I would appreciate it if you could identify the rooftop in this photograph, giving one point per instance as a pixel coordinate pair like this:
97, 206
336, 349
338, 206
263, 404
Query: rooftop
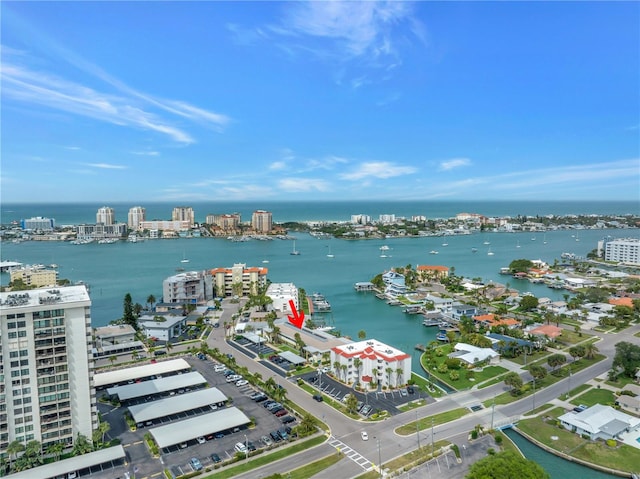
370, 349
36, 297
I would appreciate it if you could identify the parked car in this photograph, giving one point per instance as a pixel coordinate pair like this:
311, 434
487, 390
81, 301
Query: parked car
281, 412
251, 446
288, 419
317, 397
242, 382
275, 436
240, 447
403, 392
215, 458
366, 410
219, 368
266, 440
195, 463
201, 440
282, 432
411, 390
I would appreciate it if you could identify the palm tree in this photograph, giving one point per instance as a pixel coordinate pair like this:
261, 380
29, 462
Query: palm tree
81, 445
151, 299
389, 370
169, 346
399, 376
270, 385
336, 365
590, 351
307, 423
104, 427
275, 335
362, 334
344, 372
13, 449
113, 359
55, 449
356, 364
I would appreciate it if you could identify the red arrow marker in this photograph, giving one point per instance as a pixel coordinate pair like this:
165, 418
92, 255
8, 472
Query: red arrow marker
298, 318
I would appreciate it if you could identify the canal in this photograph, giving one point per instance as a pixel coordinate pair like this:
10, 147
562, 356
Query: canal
557, 467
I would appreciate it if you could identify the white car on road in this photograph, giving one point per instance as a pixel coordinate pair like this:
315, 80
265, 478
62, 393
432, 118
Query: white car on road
364, 436
242, 382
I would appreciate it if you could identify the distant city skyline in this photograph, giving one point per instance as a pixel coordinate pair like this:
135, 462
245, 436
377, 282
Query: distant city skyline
284, 101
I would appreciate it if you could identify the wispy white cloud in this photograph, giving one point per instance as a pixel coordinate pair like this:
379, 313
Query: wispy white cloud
72, 148
454, 163
378, 169
146, 153
326, 163
106, 166
278, 165
125, 106
303, 184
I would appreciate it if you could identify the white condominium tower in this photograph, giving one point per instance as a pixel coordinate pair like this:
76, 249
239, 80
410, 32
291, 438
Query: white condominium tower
46, 367
184, 213
137, 214
261, 221
106, 215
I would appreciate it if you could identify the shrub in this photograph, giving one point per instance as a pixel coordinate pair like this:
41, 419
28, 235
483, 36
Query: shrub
456, 450
454, 375
443, 368
498, 438
491, 451
611, 443
452, 363
474, 434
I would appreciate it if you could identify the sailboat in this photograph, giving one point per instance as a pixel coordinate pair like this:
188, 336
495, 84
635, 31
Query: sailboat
294, 252
577, 239
329, 254
490, 253
518, 244
486, 242
184, 258
544, 238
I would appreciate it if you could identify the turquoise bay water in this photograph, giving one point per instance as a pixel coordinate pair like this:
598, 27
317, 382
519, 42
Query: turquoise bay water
557, 467
112, 270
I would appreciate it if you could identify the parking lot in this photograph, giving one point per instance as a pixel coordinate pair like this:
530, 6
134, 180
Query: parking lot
211, 448
376, 400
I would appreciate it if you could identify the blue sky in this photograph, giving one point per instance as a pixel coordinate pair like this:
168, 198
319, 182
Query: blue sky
143, 101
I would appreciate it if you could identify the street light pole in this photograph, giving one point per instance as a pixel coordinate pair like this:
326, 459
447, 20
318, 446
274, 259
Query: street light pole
433, 443
379, 457
417, 430
493, 410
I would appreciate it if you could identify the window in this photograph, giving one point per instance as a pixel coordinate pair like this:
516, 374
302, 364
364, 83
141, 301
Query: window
22, 324
24, 352
11, 325
13, 335
13, 354
22, 334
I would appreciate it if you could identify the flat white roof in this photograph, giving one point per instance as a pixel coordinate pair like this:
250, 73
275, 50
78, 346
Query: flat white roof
63, 467
292, 357
121, 375
58, 295
183, 431
155, 386
175, 404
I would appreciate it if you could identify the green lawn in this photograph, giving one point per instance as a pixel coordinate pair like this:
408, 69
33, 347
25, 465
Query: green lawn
595, 396
261, 460
314, 468
436, 420
579, 389
423, 453
621, 457
570, 338
466, 378
423, 384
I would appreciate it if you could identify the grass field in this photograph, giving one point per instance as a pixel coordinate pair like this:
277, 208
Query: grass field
436, 420
595, 396
314, 468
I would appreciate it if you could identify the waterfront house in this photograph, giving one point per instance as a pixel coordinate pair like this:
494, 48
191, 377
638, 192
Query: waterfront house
428, 273
163, 327
459, 310
472, 355
599, 422
114, 334
630, 403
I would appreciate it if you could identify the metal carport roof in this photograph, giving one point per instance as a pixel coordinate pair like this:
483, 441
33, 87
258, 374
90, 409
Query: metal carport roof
155, 386
175, 404
121, 375
65, 466
292, 358
182, 431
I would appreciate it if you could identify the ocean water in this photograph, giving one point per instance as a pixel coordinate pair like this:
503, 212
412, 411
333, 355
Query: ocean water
65, 213
112, 270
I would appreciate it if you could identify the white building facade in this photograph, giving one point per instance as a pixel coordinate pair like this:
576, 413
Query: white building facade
47, 392
371, 361
136, 215
106, 215
281, 294
190, 287
625, 250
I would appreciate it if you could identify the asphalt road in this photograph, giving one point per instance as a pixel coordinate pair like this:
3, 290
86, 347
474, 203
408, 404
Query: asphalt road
347, 431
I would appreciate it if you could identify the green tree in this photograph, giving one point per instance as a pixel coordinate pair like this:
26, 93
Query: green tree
527, 303
357, 363
578, 351
13, 449
113, 359
506, 465
127, 316
362, 334
351, 403
537, 371
399, 376
590, 351
81, 445
55, 449
514, 381
627, 359
307, 423
151, 300
520, 265
104, 427
556, 360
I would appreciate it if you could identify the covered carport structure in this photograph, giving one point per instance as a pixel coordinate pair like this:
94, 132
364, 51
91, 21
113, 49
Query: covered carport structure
142, 413
292, 358
120, 376
157, 386
203, 425
83, 465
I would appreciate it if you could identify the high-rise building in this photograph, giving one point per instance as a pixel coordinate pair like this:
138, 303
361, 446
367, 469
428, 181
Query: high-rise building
38, 223
261, 221
238, 280
623, 250
183, 213
106, 215
225, 222
46, 385
137, 214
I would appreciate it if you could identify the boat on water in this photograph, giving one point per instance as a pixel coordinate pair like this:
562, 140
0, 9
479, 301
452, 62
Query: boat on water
329, 254
445, 244
265, 261
433, 252
320, 303
431, 322
490, 253
412, 309
487, 242
474, 250
294, 252
384, 247
184, 258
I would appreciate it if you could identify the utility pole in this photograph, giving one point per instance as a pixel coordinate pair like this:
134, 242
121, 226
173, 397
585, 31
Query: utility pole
433, 443
493, 410
534, 393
